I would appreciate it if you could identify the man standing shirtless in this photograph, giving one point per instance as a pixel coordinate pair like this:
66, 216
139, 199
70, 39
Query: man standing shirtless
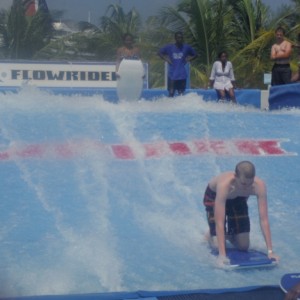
225, 200
280, 54
128, 50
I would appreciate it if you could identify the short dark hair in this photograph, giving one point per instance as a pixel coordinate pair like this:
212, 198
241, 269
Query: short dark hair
245, 168
177, 33
280, 28
221, 53
127, 34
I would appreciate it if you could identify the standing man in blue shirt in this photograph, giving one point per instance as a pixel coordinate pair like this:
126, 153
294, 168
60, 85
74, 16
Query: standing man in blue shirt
177, 56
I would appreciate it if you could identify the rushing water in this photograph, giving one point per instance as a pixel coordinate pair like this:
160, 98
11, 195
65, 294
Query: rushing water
94, 198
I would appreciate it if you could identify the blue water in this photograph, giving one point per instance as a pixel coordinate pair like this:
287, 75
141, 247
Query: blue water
90, 221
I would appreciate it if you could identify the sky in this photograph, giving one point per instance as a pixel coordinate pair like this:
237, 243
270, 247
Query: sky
92, 10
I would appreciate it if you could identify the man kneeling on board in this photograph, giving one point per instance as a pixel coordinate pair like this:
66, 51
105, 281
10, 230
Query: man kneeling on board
225, 199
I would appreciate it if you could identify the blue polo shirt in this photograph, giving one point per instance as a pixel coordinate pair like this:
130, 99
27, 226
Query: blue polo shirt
178, 57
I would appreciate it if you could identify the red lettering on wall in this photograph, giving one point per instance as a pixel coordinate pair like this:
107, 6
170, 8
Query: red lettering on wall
145, 151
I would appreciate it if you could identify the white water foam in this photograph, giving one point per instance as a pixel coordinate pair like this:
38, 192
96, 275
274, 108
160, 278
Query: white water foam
93, 223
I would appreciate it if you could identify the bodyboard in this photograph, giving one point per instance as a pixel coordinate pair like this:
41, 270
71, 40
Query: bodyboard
287, 281
251, 259
130, 81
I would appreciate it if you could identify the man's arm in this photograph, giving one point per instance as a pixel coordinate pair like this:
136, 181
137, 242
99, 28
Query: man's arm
231, 75
220, 219
273, 52
263, 215
212, 75
286, 51
162, 53
191, 55
281, 52
220, 203
165, 58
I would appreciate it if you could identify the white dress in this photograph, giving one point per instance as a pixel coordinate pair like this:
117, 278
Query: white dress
222, 79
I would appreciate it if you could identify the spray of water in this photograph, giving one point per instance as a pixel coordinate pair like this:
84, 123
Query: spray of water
86, 209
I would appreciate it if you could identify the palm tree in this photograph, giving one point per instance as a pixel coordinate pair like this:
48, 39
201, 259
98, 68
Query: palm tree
205, 24
16, 29
116, 23
38, 32
254, 29
21, 36
243, 28
251, 42
4, 41
151, 39
95, 43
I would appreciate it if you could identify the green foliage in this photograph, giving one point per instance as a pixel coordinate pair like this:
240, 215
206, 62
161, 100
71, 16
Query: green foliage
4, 39
23, 36
16, 29
243, 28
38, 33
116, 23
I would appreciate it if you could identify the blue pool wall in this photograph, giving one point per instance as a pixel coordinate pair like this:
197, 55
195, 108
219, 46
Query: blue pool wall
282, 96
276, 97
250, 97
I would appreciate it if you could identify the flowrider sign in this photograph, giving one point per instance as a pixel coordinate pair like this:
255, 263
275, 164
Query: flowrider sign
45, 74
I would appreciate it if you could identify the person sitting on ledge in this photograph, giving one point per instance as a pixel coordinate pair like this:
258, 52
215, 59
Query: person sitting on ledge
222, 78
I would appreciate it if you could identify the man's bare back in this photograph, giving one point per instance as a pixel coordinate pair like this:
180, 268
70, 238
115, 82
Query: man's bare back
227, 181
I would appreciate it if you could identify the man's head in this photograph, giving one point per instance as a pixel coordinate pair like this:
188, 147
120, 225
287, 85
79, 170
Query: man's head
245, 173
246, 169
128, 40
178, 37
279, 33
222, 56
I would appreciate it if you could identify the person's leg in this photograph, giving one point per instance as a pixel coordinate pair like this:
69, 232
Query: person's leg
241, 241
232, 95
286, 75
211, 234
238, 222
181, 86
221, 95
171, 87
209, 203
275, 79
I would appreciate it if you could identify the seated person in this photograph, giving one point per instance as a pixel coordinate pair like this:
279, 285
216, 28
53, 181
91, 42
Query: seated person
222, 78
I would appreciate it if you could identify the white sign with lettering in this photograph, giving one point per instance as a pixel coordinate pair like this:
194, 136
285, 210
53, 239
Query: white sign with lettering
57, 74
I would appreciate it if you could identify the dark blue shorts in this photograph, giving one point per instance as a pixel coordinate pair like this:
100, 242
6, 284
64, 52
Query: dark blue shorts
236, 215
281, 74
177, 85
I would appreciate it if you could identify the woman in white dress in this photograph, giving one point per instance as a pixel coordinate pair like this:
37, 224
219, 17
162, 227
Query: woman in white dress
222, 78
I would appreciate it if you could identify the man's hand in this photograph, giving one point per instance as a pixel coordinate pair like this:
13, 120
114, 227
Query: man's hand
272, 255
222, 261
